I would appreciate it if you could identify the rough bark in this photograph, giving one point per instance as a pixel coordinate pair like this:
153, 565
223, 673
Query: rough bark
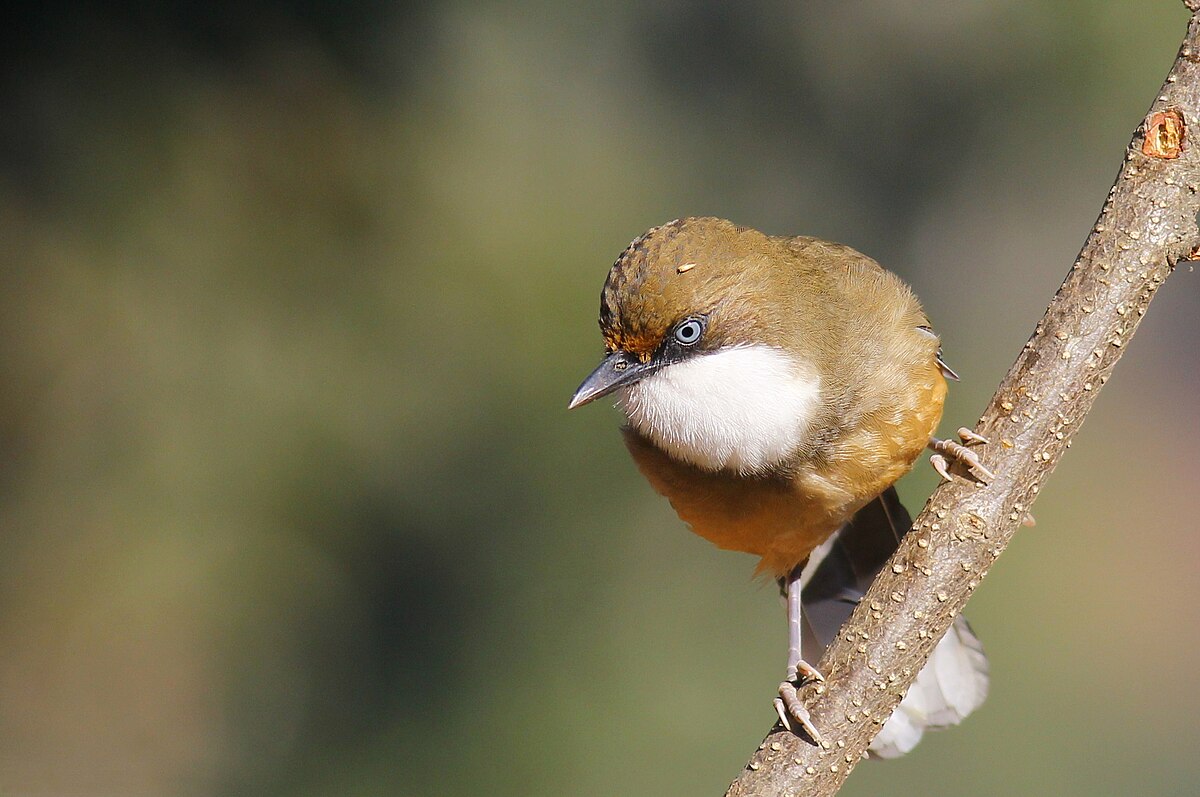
1148, 223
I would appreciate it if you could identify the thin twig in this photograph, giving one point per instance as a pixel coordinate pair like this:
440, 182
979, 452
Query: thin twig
1148, 224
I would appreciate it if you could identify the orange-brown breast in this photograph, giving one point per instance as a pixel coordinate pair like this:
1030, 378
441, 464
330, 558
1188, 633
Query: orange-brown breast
783, 517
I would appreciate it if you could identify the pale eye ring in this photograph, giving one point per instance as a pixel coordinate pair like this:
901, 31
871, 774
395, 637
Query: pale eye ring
689, 331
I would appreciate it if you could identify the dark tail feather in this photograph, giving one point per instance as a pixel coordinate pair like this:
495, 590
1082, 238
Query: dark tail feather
953, 683
841, 570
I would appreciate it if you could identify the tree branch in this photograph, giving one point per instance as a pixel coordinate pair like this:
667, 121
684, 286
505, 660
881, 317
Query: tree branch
1148, 223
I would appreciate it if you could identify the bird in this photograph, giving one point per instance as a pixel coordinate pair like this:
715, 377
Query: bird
774, 389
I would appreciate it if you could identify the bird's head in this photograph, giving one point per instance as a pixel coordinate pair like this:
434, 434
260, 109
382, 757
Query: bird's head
682, 290
700, 319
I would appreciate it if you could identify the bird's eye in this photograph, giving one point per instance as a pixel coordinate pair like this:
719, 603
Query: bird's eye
689, 331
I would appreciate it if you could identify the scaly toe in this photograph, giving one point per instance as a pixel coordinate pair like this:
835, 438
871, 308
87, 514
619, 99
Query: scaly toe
973, 463
792, 712
970, 438
957, 458
784, 720
939, 464
805, 672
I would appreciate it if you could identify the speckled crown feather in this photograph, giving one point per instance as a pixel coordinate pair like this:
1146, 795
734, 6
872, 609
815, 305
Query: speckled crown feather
647, 290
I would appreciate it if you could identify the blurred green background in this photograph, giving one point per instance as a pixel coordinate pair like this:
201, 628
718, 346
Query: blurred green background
292, 299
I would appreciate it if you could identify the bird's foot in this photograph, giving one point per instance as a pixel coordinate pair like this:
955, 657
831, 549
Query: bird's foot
792, 713
956, 459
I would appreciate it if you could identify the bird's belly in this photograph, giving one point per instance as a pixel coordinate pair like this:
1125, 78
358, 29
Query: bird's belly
778, 519
781, 524
782, 518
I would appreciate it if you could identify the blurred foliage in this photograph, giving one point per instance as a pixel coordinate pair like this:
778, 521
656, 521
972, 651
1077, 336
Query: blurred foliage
292, 298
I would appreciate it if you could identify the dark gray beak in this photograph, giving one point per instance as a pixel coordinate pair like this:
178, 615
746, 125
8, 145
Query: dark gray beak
617, 370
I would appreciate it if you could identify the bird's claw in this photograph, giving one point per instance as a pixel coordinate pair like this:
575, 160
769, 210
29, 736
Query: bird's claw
805, 672
951, 458
970, 437
792, 713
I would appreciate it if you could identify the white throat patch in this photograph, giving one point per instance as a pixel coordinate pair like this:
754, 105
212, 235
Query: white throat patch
744, 408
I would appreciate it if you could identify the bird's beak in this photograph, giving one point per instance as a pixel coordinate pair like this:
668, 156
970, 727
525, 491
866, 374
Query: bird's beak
617, 370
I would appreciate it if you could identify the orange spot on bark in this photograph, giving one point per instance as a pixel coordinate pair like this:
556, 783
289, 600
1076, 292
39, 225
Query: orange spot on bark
1165, 133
